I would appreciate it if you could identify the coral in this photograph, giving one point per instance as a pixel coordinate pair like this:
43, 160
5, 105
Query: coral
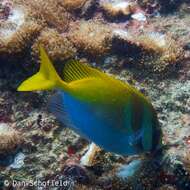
10, 139
11, 21
73, 5
153, 41
23, 22
150, 47
81, 7
16, 31
167, 51
91, 37
153, 50
21, 39
138, 174
50, 12
117, 8
57, 46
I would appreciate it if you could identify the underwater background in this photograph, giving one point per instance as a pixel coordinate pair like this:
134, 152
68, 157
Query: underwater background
145, 43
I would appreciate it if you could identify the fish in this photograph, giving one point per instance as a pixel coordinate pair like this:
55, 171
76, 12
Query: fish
111, 113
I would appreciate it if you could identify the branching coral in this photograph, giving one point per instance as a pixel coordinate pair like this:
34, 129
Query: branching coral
57, 46
91, 37
10, 139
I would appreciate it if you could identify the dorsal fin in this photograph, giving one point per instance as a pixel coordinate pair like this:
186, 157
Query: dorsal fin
74, 70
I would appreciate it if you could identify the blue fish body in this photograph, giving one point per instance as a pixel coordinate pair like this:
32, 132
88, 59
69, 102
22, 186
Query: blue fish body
98, 124
112, 114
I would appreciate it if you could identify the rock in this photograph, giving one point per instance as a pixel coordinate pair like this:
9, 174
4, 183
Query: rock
75, 171
167, 187
88, 158
18, 161
187, 46
127, 171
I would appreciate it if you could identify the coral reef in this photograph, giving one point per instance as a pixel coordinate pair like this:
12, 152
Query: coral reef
90, 37
153, 50
118, 8
58, 47
49, 12
47, 144
169, 53
138, 48
73, 5
23, 22
11, 19
16, 31
10, 139
21, 39
80, 7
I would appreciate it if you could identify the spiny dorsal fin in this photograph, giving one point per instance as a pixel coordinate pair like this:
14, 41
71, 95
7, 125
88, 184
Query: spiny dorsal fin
74, 70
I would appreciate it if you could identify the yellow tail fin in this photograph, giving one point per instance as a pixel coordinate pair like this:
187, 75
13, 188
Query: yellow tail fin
46, 79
